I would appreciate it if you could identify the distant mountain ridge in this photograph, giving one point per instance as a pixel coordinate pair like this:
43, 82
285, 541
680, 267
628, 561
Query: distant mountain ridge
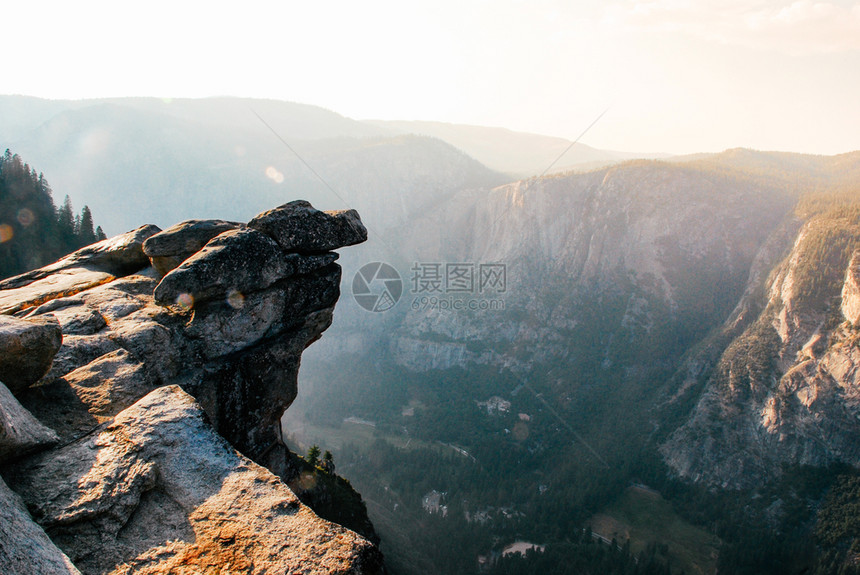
160, 161
300, 121
520, 154
182, 158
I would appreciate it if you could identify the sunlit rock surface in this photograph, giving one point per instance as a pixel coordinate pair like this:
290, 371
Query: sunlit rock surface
143, 480
851, 291
167, 493
86, 268
786, 391
297, 226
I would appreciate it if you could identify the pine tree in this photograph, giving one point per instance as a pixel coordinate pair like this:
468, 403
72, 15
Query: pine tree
328, 461
66, 224
86, 235
33, 232
314, 455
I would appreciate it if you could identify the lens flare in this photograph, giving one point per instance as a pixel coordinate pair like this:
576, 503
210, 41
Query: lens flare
185, 301
308, 481
6, 233
273, 174
94, 142
25, 217
521, 431
236, 299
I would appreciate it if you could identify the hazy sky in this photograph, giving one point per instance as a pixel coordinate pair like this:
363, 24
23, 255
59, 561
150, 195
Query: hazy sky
677, 76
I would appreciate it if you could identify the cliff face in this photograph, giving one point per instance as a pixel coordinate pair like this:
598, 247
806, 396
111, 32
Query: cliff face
179, 355
625, 250
715, 304
787, 389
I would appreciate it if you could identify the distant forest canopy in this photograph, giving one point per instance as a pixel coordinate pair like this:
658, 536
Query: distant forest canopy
33, 231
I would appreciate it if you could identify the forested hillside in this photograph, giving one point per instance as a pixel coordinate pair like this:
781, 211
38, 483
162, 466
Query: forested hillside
33, 231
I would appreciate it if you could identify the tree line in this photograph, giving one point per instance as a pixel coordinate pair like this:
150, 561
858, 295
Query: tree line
33, 230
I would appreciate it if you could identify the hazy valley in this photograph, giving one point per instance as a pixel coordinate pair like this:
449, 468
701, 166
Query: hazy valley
655, 350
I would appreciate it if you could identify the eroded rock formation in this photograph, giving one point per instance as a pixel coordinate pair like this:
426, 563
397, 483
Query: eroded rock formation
180, 350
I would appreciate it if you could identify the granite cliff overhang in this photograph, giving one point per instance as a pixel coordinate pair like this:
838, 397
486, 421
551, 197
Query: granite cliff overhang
158, 420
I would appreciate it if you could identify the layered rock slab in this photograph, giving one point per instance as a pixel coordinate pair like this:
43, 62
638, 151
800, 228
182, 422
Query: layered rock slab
118, 255
86, 268
156, 490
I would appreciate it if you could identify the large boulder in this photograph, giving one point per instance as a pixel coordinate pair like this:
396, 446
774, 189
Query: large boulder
169, 248
27, 348
232, 323
236, 261
299, 227
233, 264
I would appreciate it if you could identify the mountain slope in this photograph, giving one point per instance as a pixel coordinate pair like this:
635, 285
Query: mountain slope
673, 244
785, 392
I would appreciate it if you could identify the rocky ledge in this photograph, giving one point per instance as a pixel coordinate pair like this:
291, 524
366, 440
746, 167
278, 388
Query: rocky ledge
145, 378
